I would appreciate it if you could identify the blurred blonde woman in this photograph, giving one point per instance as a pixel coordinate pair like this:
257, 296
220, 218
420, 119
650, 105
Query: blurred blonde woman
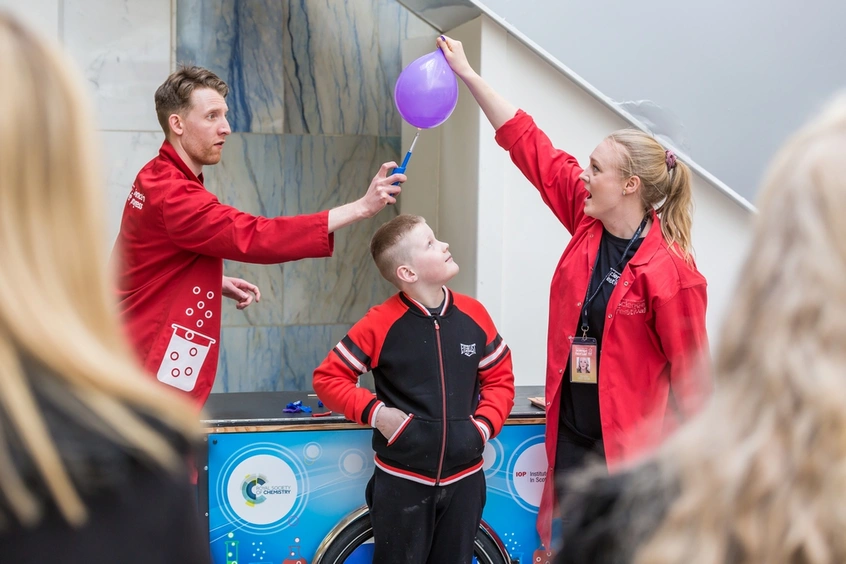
760, 475
91, 451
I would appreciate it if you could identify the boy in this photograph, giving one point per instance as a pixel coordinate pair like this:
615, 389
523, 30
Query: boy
444, 386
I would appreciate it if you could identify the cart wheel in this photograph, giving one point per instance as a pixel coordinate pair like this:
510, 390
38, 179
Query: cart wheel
350, 542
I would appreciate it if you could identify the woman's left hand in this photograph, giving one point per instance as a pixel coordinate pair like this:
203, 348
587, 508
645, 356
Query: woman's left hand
454, 54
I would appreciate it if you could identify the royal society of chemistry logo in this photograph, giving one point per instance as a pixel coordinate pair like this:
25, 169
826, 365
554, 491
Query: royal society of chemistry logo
263, 490
255, 489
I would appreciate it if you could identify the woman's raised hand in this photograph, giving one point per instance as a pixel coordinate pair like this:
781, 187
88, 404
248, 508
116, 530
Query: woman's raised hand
454, 54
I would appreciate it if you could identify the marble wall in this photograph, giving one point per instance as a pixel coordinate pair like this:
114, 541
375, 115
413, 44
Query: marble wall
312, 115
124, 49
313, 118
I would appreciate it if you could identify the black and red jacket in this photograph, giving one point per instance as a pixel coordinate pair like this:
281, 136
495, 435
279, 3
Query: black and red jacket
450, 372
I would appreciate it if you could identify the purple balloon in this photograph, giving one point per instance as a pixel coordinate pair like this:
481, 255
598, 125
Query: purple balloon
426, 91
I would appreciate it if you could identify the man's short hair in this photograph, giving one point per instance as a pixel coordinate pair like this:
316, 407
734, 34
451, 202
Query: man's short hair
385, 246
174, 95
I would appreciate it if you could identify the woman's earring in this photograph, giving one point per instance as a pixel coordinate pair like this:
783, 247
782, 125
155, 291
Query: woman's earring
624, 192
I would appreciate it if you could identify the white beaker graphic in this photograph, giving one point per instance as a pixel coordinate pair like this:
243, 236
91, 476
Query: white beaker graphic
184, 358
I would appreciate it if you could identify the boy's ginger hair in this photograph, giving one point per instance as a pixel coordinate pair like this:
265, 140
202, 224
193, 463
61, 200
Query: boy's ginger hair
385, 247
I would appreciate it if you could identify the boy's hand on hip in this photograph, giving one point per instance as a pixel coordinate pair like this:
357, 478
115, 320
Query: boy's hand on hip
388, 420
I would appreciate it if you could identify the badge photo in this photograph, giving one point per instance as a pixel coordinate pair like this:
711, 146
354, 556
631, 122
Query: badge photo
583, 368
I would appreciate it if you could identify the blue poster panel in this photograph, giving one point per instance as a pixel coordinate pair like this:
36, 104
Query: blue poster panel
273, 497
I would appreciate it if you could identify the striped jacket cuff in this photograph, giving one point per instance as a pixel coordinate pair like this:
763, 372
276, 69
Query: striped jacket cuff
484, 428
368, 415
375, 413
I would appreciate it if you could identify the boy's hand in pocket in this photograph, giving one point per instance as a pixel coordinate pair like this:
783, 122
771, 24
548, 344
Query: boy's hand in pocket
388, 420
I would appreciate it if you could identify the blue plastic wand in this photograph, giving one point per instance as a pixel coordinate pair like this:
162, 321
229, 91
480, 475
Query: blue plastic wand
401, 168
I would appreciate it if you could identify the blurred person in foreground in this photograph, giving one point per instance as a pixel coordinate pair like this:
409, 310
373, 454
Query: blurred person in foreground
92, 452
760, 475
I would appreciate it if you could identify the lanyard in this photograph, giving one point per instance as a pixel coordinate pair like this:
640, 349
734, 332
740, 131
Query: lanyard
589, 300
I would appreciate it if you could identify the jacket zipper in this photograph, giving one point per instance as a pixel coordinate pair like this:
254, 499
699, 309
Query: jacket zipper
443, 402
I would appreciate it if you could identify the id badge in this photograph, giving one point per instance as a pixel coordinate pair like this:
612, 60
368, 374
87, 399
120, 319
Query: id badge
583, 369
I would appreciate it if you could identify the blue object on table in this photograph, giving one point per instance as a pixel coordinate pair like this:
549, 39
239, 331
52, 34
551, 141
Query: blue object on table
297, 407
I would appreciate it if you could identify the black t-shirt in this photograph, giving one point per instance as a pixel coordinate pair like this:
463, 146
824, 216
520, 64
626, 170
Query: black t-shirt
437, 310
580, 402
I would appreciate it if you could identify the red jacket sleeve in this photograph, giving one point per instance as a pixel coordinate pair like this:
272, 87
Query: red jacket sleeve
496, 374
335, 379
496, 378
680, 325
196, 221
553, 172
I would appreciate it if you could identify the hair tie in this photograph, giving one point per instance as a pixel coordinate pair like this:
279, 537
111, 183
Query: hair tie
670, 159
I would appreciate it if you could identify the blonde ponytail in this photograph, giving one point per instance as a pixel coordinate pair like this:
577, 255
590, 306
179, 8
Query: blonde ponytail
665, 186
676, 212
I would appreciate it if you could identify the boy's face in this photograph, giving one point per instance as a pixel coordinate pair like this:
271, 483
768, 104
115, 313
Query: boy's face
429, 258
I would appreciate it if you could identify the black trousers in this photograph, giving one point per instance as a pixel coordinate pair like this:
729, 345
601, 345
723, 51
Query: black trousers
418, 524
572, 453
